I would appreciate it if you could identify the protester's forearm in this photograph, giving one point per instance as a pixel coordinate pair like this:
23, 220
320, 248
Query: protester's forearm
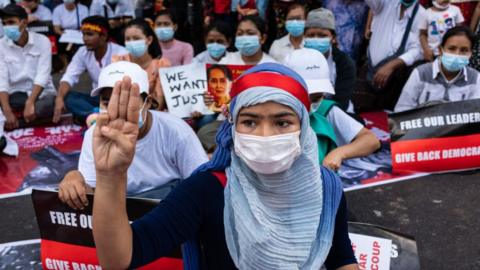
424, 40
363, 144
111, 228
36, 91
349, 267
4, 102
63, 89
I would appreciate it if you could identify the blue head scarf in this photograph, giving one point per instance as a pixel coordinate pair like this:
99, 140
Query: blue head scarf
273, 221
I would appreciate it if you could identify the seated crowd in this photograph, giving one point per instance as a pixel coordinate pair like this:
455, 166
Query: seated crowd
291, 128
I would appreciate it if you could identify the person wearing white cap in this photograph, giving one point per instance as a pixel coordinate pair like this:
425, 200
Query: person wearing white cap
339, 136
320, 35
167, 148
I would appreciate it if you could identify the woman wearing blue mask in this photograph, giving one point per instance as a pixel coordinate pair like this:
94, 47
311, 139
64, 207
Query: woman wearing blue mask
249, 39
448, 78
218, 36
295, 26
261, 202
144, 50
176, 51
320, 35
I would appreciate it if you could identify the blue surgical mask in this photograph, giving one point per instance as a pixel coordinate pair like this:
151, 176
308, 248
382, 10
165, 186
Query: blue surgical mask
164, 33
113, 2
12, 32
247, 45
320, 44
68, 1
407, 3
454, 62
295, 27
136, 48
216, 50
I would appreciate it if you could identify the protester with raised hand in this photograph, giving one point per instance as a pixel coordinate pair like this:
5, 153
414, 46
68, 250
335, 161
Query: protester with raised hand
249, 39
166, 148
218, 37
144, 50
295, 26
448, 78
267, 158
96, 54
178, 52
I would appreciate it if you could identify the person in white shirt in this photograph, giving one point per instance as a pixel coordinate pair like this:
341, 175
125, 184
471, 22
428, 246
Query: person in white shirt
26, 85
448, 78
249, 39
112, 8
438, 19
68, 15
117, 12
389, 63
36, 11
295, 26
7, 145
339, 136
218, 37
167, 148
96, 54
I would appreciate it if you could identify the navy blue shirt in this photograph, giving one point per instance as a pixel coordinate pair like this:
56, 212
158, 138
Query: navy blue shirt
194, 209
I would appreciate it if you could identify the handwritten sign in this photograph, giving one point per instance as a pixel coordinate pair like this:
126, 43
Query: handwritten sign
183, 87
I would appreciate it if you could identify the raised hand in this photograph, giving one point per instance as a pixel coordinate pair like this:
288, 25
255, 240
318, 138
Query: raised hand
116, 132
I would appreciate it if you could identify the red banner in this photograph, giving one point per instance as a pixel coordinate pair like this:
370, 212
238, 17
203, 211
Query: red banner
57, 255
436, 154
45, 155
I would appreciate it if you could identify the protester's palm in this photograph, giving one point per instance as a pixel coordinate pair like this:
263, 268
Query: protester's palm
111, 155
116, 132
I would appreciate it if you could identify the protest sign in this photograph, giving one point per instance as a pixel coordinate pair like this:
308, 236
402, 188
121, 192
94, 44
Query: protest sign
220, 78
45, 155
66, 234
382, 249
183, 88
437, 138
71, 36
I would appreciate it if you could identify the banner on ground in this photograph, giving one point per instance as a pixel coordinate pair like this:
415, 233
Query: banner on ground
437, 138
183, 88
220, 78
382, 249
66, 234
46, 154
376, 168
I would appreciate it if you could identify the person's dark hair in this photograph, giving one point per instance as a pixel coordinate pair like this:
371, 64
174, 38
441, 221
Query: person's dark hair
98, 20
257, 21
154, 48
221, 27
295, 6
168, 13
224, 69
459, 31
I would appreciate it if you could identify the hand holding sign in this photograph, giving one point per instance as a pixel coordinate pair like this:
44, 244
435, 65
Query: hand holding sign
116, 132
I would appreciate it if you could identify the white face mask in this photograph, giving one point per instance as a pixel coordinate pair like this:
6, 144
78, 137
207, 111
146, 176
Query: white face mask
268, 155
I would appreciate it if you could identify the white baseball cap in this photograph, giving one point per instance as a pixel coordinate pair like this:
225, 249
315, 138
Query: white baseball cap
116, 71
313, 67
